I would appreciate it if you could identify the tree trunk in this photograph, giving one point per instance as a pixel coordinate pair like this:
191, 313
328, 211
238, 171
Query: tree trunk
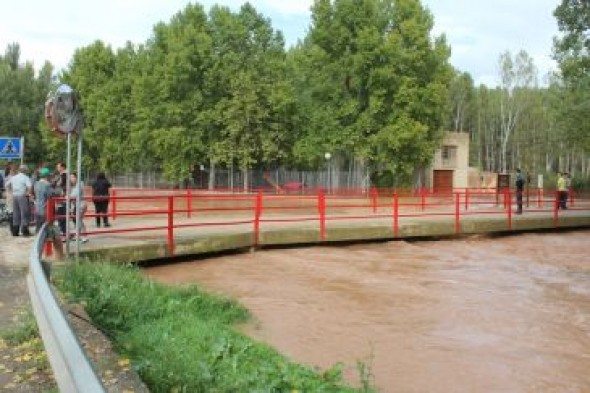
246, 176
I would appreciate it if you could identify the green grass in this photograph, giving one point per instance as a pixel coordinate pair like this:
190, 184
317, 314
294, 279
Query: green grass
180, 339
25, 330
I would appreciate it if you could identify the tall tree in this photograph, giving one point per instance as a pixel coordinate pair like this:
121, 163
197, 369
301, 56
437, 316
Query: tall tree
22, 93
517, 77
460, 100
572, 52
377, 82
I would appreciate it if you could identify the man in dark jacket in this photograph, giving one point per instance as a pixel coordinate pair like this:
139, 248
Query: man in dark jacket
519, 191
100, 194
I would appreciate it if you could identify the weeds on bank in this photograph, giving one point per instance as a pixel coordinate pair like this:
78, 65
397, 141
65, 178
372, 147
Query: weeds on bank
25, 330
181, 339
23, 355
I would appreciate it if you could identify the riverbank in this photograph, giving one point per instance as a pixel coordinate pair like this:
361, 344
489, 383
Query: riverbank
184, 339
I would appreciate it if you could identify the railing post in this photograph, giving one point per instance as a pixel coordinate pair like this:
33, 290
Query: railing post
374, 199
322, 211
257, 214
114, 199
171, 225
467, 199
395, 214
457, 213
423, 198
571, 195
49, 214
189, 202
556, 210
508, 203
539, 197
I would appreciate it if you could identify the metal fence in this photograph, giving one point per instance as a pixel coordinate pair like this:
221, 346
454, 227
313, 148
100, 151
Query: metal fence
252, 179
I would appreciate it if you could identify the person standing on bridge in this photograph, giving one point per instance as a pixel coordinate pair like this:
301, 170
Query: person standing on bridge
100, 198
61, 186
561, 191
43, 191
519, 190
568, 186
77, 188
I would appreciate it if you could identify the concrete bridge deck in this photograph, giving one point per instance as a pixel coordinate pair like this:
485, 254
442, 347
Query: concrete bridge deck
237, 232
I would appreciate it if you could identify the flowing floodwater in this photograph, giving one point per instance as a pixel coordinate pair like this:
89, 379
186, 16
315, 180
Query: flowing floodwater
503, 314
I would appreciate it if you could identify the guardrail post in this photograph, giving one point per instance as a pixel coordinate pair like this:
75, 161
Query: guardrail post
171, 225
508, 203
571, 195
322, 211
539, 197
556, 210
395, 214
457, 213
114, 198
467, 199
189, 203
257, 214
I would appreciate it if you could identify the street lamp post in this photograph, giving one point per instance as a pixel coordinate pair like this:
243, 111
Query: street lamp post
327, 156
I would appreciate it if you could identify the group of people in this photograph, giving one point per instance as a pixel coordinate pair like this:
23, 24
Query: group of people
563, 189
27, 198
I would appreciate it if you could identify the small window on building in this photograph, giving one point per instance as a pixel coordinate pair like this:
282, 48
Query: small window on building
449, 156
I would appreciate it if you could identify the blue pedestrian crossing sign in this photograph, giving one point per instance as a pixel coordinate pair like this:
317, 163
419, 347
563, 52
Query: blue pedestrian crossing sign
10, 148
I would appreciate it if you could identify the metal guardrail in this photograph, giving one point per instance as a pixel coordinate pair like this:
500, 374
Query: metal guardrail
71, 368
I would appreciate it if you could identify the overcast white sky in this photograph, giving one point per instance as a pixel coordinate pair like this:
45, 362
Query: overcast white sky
478, 30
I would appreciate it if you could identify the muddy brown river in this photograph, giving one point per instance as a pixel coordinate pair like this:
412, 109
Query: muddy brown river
482, 314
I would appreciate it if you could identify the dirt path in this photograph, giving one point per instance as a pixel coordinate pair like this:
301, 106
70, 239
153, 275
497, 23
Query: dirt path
24, 367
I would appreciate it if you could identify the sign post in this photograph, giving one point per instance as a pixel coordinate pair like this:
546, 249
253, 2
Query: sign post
12, 148
64, 118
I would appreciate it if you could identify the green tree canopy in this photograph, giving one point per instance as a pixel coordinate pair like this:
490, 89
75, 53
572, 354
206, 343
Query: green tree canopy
376, 82
572, 52
22, 94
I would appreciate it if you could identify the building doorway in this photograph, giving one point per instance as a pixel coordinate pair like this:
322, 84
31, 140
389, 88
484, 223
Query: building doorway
443, 181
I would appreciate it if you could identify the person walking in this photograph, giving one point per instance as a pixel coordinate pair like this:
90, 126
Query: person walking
43, 191
519, 190
21, 188
100, 198
77, 188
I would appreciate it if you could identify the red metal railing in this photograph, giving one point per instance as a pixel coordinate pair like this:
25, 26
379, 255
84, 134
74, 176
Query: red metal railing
174, 210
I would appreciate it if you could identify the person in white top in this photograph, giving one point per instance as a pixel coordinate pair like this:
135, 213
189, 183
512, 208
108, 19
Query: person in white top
75, 188
21, 187
10, 172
